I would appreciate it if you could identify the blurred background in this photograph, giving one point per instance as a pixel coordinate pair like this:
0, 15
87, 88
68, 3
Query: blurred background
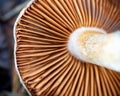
9, 81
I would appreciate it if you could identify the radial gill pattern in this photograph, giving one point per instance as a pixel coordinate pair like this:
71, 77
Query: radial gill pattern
44, 63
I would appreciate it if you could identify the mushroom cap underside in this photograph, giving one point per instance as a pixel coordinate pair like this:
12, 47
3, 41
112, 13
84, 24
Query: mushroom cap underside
43, 61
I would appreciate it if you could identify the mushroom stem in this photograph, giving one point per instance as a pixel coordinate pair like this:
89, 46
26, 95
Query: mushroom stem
95, 46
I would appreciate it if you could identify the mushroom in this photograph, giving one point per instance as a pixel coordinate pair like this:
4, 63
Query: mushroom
69, 47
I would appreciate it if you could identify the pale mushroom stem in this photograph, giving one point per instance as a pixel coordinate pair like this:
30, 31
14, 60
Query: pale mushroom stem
95, 46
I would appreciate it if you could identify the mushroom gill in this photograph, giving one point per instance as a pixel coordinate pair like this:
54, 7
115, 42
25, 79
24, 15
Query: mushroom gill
46, 63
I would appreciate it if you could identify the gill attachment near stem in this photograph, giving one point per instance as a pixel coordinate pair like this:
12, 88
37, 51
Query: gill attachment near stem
95, 46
